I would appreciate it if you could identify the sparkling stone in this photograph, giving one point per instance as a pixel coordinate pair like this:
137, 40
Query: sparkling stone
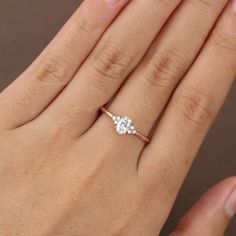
124, 125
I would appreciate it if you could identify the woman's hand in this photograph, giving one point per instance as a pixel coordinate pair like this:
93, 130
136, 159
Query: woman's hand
63, 168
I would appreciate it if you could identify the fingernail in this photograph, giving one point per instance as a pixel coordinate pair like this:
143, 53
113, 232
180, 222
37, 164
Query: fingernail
112, 1
234, 5
230, 206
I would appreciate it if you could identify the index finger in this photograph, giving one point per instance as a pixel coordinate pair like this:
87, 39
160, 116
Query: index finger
54, 68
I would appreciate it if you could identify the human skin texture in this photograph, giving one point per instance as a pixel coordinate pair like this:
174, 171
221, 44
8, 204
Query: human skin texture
168, 64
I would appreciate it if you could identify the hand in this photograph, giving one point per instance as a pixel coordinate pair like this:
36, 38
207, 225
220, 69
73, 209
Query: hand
63, 168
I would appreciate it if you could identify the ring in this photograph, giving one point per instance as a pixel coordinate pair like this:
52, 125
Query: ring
124, 125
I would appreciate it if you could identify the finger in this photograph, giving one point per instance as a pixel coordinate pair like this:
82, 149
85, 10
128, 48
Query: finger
55, 67
115, 56
211, 215
149, 88
192, 110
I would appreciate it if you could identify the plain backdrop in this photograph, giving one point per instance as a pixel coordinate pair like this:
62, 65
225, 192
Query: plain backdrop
26, 27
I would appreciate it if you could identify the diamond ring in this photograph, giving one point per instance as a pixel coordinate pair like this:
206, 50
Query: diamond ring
124, 125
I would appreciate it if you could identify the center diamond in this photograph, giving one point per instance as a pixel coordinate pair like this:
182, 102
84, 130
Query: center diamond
124, 125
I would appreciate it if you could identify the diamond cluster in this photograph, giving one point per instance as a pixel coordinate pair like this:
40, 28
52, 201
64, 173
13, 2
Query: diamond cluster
124, 125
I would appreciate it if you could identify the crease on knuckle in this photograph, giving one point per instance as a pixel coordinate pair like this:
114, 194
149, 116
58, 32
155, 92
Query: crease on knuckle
50, 71
113, 62
196, 106
164, 69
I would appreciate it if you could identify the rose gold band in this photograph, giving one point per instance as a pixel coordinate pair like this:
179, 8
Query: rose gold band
144, 138
104, 110
139, 135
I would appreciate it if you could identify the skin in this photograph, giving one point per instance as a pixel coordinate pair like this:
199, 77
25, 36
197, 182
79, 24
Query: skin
65, 171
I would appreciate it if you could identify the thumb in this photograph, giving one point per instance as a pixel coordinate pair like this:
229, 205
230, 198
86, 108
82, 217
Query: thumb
211, 215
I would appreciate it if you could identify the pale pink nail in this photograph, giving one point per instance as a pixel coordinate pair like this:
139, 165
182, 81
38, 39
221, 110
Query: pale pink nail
234, 5
230, 206
112, 1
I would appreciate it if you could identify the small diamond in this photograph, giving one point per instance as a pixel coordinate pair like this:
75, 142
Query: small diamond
124, 125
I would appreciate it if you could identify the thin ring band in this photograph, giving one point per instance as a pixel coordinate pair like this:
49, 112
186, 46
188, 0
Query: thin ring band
124, 125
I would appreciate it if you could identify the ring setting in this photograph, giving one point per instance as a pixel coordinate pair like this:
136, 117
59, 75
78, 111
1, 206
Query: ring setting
124, 125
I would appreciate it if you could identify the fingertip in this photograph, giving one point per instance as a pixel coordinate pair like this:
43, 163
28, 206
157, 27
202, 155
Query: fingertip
212, 213
230, 206
115, 2
221, 197
234, 5
104, 11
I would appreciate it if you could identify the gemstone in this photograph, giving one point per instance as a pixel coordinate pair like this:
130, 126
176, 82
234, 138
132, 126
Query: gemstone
124, 125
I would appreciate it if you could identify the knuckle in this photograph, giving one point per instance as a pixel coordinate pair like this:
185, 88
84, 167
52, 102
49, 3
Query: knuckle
196, 106
164, 69
56, 134
113, 62
50, 70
